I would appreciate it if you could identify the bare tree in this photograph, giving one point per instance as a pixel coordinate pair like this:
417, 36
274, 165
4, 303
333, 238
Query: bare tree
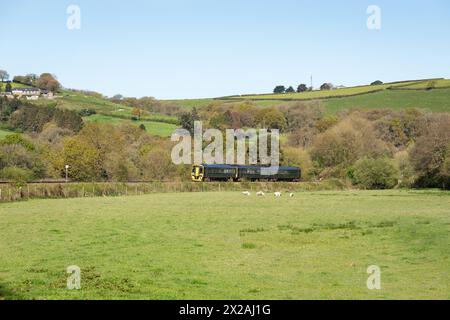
4, 75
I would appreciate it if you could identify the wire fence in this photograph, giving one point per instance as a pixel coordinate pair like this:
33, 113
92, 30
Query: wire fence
10, 192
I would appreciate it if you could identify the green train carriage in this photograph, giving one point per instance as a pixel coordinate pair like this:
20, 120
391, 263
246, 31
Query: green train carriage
223, 172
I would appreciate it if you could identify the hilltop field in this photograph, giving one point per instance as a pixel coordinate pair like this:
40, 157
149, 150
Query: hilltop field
317, 245
433, 95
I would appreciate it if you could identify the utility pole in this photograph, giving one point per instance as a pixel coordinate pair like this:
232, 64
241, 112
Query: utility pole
312, 83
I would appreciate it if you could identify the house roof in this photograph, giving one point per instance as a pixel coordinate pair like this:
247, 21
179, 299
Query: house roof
25, 89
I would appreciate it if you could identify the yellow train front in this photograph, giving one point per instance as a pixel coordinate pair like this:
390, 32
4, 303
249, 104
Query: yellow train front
225, 172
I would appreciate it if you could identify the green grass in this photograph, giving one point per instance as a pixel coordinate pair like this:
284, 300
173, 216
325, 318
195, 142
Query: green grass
189, 103
4, 133
227, 246
325, 94
437, 100
413, 94
155, 128
441, 83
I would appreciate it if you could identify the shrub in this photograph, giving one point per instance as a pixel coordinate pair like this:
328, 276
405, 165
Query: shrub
87, 112
407, 175
376, 83
16, 175
430, 154
298, 157
379, 173
346, 142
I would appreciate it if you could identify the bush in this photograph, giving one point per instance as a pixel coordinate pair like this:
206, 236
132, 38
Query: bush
430, 153
16, 175
343, 144
87, 112
378, 173
298, 157
407, 175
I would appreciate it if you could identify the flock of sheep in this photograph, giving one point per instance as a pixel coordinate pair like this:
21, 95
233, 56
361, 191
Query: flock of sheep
262, 194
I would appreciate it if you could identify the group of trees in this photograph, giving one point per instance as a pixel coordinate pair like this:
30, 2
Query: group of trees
282, 89
52, 138
45, 81
98, 152
27, 117
377, 148
148, 104
301, 88
4, 76
380, 148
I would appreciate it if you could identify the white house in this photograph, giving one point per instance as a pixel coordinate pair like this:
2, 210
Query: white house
29, 93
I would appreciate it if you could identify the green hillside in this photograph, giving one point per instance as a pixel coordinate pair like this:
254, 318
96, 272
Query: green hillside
108, 111
434, 100
430, 94
79, 101
153, 127
4, 133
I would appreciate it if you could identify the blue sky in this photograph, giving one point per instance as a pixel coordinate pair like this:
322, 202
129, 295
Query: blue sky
210, 48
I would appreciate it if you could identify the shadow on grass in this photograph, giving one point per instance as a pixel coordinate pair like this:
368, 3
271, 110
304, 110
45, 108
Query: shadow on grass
8, 294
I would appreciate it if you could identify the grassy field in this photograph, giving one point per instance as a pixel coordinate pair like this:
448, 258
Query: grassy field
325, 94
190, 103
227, 246
407, 94
441, 83
4, 133
434, 100
155, 128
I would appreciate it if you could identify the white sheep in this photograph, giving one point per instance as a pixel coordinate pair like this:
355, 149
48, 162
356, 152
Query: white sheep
277, 194
291, 195
246, 193
260, 194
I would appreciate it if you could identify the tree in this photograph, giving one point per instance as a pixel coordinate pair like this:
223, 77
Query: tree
430, 154
302, 88
271, 118
302, 115
84, 160
187, 120
279, 89
380, 173
326, 86
48, 81
290, 90
298, 157
343, 144
117, 98
137, 113
376, 83
4, 75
